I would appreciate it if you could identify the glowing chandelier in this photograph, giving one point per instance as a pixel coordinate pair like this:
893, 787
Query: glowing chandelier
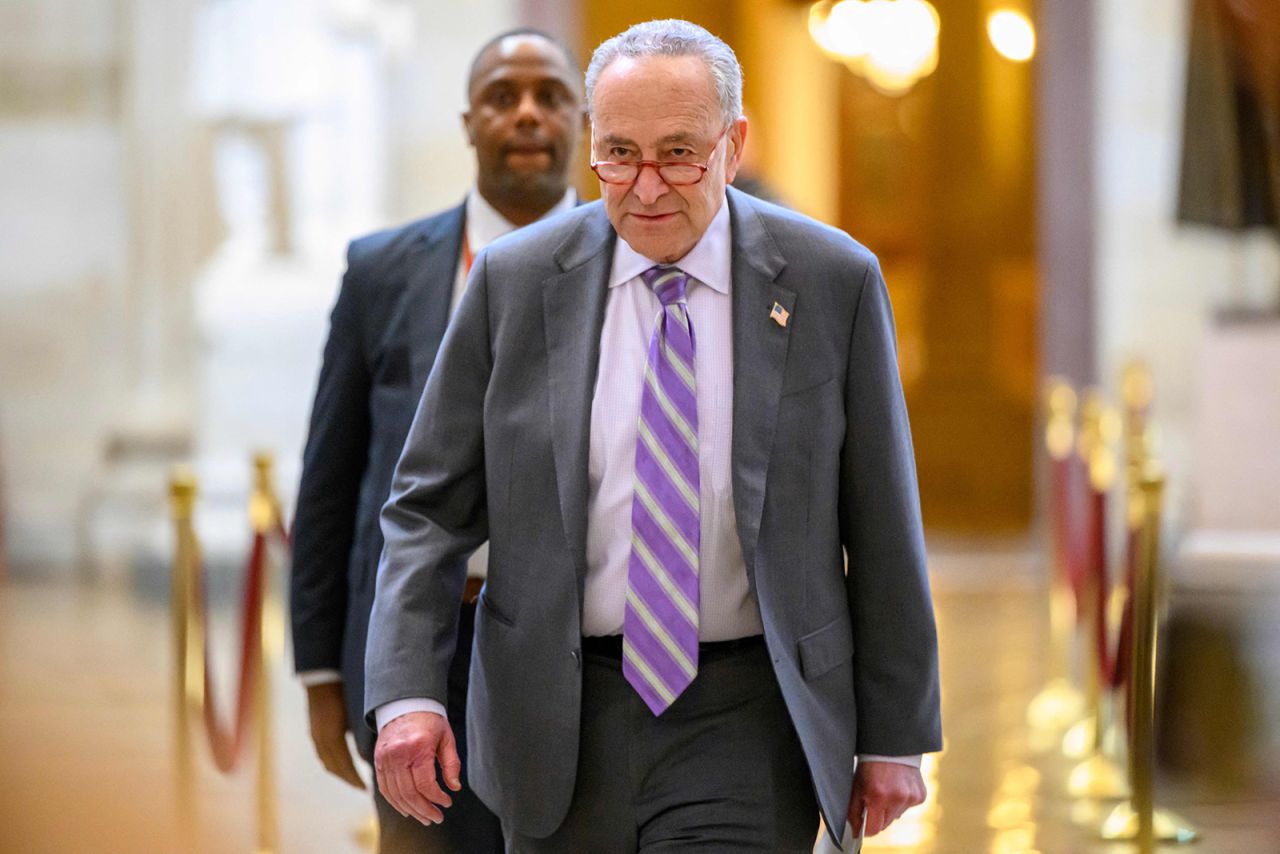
892, 44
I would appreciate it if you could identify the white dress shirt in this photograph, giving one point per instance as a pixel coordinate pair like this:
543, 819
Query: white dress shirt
727, 608
484, 224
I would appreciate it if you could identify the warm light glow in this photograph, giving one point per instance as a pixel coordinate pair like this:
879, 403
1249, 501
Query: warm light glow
890, 81
1012, 34
1009, 814
905, 47
1012, 813
1021, 840
840, 28
891, 43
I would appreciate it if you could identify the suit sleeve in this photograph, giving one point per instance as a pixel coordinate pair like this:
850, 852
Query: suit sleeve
437, 515
895, 642
333, 466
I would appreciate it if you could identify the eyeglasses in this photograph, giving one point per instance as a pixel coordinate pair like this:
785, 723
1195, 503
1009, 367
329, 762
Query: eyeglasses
677, 173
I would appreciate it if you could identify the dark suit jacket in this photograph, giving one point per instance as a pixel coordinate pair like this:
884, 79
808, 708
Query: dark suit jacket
385, 329
822, 467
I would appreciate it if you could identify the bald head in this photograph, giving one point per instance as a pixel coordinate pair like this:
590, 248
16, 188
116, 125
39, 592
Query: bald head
492, 51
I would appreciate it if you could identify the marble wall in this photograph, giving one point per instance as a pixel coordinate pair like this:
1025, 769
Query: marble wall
64, 237
1159, 284
147, 314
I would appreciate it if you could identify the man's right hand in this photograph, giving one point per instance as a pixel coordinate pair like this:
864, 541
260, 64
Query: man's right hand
329, 731
405, 760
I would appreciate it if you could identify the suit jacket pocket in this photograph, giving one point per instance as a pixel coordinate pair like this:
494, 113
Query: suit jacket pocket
807, 384
487, 607
824, 649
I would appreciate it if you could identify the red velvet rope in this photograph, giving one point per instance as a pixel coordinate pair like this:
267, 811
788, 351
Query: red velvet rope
1124, 644
227, 742
1079, 541
1070, 548
1124, 651
1113, 662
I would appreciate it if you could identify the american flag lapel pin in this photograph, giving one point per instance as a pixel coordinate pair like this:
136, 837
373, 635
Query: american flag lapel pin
780, 315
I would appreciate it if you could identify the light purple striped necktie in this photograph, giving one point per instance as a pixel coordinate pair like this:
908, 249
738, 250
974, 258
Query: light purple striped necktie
660, 625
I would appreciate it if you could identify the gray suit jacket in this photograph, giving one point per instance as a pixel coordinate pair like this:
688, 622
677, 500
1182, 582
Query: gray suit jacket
385, 329
822, 466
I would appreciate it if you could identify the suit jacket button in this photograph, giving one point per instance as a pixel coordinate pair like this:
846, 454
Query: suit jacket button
576, 653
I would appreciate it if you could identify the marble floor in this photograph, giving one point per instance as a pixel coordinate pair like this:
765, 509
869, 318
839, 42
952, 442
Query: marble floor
86, 736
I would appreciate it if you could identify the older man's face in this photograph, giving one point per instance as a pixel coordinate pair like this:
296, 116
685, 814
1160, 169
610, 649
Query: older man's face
662, 109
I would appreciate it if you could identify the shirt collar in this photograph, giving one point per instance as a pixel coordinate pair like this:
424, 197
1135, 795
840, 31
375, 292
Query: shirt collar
485, 224
709, 261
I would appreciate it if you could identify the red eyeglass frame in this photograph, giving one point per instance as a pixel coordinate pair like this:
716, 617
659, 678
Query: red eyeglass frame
658, 166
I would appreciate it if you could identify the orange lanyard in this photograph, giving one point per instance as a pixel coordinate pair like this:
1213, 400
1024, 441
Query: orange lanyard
468, 257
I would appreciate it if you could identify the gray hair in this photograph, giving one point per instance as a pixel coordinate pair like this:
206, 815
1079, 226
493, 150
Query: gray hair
673, 37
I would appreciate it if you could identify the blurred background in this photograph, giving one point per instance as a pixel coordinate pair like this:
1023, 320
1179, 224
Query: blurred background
1053, 188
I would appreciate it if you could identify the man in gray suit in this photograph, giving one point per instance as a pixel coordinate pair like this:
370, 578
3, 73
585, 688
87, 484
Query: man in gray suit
674, 414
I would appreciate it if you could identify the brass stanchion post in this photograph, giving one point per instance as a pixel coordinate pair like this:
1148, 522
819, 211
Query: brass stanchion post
1059, 703
1078, 741
264, 515
188, 673
1097, 776
1138, 820
1143, 692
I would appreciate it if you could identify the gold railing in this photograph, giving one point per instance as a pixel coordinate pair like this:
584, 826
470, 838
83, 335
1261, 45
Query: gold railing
261, 629
1139, 819
1116, 614
1060, 703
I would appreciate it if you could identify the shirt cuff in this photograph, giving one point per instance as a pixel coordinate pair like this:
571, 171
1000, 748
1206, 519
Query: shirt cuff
388, 712
311, 678
913, 761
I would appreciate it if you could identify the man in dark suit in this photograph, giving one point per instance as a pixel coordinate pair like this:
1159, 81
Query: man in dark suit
673, 415
524, 121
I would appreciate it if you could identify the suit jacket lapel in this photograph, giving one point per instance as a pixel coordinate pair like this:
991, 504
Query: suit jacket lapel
430, 292
759, 363
573, 314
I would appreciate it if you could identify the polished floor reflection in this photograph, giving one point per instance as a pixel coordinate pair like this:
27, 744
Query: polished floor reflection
86, 739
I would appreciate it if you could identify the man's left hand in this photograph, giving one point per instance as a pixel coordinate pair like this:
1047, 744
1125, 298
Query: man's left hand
887, 790
329, 731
